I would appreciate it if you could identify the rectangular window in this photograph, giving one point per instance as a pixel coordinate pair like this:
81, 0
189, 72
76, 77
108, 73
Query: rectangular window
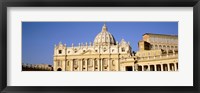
60, 51
123, 50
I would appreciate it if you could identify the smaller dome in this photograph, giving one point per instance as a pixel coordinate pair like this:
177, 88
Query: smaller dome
104, 37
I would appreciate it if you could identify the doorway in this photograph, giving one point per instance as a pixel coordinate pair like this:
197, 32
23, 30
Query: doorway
129, 68
59, 69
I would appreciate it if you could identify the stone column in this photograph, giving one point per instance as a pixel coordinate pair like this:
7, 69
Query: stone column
63, 66
168, 67
54, 66
101, 64
148, 68
118, 65
86, 65
161, 65
108, 64
142, 67
93, 65
72, 65
155, 69
80, 65
175, 66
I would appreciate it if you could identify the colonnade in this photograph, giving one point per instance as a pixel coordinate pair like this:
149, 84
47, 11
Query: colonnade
164, 47
158, 67
103, 64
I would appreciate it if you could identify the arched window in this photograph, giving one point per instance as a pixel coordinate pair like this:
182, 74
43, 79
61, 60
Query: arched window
113, 62
168, 47
156, 46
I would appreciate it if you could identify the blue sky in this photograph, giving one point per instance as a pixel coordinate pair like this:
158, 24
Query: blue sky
39, 38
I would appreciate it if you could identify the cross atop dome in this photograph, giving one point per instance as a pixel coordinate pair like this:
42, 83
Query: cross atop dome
104, 24
104, 28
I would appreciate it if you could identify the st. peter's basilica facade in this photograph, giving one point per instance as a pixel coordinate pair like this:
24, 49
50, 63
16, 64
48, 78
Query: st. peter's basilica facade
157, 52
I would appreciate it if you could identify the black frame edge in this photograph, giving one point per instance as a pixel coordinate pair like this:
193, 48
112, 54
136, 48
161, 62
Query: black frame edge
3, 48
196, 39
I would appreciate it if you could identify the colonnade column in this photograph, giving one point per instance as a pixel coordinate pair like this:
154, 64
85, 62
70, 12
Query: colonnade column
86, 65
72, 65
108, 64
142, 67
81, 66
54, 65
63, 66
175, 66
101, 64
168, 67
148, 68
161, 65
118, 65
155, 68
93, 65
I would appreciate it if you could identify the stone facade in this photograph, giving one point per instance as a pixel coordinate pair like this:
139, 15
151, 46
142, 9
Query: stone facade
105, 54
157, 52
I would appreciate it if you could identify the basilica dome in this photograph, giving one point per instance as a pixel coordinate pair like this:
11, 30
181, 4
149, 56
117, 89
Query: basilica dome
104, 37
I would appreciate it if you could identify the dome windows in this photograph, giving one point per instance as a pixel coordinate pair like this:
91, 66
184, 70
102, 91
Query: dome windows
104, 38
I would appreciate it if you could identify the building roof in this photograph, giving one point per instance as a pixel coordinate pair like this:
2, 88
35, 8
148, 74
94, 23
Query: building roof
159, 34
